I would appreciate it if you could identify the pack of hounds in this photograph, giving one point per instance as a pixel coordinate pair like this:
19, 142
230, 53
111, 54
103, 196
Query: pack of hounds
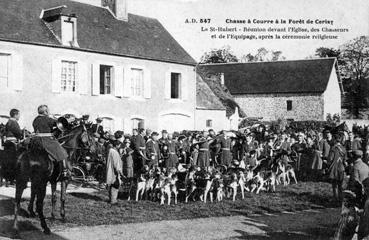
214, 183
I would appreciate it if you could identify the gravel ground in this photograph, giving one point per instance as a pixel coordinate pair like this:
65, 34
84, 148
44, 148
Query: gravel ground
311, 224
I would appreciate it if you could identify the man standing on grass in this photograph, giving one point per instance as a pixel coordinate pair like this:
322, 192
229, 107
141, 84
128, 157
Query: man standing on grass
360, 170
113, 172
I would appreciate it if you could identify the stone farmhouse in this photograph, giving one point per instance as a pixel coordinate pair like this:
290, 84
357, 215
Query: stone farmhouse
293, 90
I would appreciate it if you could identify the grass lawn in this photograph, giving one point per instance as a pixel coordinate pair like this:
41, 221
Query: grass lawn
89, 209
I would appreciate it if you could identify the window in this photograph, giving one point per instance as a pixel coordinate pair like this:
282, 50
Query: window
68, 76
289, 105
222, 78
105, 79
68, 36
4, 70
108, 124
137, 82
69, 31
209, 123
138, 123
175, 83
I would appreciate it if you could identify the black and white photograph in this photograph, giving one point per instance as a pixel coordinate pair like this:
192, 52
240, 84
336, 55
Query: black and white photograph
184, 119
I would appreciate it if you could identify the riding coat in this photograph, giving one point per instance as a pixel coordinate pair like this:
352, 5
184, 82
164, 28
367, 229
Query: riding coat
225, 156
203, 159
152, 151
12, 130
43, 126
337, 159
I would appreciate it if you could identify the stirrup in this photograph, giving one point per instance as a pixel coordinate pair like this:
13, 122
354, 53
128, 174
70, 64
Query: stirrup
66, 173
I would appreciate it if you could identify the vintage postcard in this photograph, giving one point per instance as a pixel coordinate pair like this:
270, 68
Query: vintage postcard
184, 119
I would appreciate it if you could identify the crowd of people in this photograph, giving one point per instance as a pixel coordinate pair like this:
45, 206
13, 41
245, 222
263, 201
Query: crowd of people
315, 154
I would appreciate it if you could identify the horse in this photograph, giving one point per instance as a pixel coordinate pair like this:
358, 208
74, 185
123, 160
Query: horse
34, 164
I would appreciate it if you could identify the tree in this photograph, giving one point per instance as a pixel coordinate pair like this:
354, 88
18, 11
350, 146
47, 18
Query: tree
354, 70
356, 55
263, 55
353, 65
327, 52
221, 55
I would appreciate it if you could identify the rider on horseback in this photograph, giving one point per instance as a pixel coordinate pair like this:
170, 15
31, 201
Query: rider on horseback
43, 126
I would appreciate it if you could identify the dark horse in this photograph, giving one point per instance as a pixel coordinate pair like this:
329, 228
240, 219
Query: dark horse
34, 164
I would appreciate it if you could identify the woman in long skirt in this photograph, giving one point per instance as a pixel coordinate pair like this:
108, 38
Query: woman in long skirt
336, 172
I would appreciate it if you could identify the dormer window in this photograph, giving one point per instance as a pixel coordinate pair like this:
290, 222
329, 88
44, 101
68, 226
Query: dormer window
69, 31
62, 24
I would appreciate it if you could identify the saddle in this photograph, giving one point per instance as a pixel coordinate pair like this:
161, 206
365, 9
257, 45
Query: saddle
35, 145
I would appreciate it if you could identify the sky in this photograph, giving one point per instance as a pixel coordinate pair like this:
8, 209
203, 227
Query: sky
351, 14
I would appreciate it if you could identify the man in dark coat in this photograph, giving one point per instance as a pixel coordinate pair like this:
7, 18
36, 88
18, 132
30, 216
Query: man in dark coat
139, 156
337, 160
13, 132
225, 148
153, 150
43, 126
248, 146
97, 128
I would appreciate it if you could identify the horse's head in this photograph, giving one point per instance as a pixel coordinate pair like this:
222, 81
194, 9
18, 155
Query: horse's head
87, 140
78, 138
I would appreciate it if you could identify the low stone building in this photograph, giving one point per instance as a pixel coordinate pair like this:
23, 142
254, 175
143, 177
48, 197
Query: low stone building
295, 90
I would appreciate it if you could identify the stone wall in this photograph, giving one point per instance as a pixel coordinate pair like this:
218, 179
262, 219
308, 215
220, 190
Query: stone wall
274, 106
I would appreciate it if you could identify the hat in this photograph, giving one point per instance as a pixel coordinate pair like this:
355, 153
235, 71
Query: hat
154, 134
357, 153
181, 137
164, 131
99, 119
118, 134
85, 117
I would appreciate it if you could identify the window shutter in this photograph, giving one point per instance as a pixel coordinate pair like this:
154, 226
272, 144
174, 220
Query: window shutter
167, 85
95, 75
147, 83
184, 83
82, 77
127, 82
118, 80
56, 76
17, 72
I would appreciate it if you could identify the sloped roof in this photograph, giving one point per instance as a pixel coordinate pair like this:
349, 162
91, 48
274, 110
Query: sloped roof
97, 29
205, 98
221, 92
299, 76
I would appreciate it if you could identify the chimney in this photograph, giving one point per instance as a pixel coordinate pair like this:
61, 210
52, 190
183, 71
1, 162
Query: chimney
118, 7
